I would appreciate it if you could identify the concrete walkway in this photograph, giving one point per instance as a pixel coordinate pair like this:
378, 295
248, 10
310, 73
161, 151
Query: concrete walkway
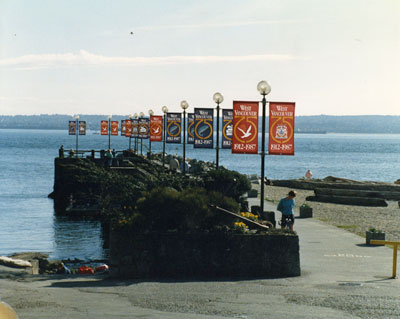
332, 254
341, 278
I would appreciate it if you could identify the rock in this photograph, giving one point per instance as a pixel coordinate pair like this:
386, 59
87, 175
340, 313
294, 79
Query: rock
344, 200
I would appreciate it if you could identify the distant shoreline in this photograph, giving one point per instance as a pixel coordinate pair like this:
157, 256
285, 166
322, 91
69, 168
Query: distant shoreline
310, 124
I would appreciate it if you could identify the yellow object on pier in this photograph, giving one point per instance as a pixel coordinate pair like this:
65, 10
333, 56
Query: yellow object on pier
6, 312
395, 245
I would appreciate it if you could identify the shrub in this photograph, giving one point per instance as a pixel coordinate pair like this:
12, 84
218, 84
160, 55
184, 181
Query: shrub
166, 209
229, 183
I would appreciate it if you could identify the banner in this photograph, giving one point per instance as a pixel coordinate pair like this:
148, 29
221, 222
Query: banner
72, 127
123, 127
82, 127
203, 128
245, 127
156, 124
281, 128
114, 127
144, 128
190, 129
227, 128
135, 128
128, 128
104, 128
174, 128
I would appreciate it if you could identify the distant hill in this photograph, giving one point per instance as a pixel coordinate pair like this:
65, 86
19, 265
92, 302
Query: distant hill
315, 123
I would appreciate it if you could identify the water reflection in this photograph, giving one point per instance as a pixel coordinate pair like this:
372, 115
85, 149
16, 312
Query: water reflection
80, 239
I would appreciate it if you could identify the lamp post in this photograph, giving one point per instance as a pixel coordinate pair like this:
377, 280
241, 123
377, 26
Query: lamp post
151, 114
165, 110
77, 133
130, 136
109, 131
218, 98
141, 139
136, 137
184, 106
264, 88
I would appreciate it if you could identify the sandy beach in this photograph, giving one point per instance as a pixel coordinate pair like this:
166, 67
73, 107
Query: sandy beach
355, 219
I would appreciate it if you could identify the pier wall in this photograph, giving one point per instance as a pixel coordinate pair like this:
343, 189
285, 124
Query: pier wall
203, 255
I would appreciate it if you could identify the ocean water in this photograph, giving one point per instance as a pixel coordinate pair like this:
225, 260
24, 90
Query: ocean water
28, 223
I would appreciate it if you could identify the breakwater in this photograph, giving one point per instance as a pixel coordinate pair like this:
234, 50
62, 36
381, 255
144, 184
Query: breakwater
161, 222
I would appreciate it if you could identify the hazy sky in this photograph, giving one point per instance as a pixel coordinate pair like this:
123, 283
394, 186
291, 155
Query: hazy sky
77, 56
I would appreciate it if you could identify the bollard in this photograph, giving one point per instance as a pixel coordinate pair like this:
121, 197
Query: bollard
395, 245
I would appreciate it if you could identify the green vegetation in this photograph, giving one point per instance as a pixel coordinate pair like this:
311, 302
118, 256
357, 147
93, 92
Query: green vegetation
145, 197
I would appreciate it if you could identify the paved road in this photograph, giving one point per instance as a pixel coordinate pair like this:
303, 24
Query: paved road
341, 278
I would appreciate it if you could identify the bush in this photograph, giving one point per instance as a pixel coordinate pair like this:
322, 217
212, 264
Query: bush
229, 183
165, 209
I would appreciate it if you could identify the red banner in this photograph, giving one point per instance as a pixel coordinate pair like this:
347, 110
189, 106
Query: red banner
281, 128
245, 127
104, 128
128, 128
156, 124
114, 127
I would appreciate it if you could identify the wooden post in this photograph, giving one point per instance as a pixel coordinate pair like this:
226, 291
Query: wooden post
395, 245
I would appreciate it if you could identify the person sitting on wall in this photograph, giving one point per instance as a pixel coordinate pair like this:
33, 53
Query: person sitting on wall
174, 164
71, 153
61, 152
62, 269
308, 174
187, 167
286, 206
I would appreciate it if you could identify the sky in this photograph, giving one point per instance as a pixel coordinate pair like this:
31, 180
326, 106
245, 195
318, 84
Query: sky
337, 57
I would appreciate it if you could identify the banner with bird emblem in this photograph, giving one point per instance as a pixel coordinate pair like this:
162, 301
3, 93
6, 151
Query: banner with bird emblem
156, 128
128, 128
281, 128
245, 127
114, 127
104, 128
203, 128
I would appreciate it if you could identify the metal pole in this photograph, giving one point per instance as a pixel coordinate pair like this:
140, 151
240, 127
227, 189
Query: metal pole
136, 145
141, 146
130, 143
109, 134
394, 261
164, 133
264, 103
217, 146
149, 147
184, 141
77, 134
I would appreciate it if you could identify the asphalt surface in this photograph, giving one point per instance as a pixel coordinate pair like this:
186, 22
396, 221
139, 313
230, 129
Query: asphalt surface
341, 278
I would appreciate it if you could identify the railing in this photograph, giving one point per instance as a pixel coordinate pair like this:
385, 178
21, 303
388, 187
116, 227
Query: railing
85, 153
